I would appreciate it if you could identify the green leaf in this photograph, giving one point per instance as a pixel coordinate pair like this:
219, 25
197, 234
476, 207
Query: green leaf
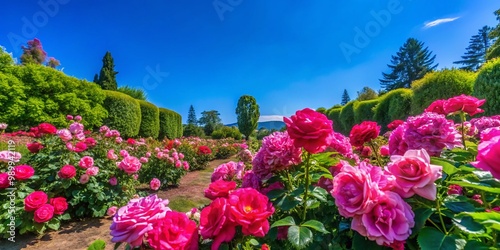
275, 193
65, 216
97, 245
476, 245
287, 221
254, 242
459, 206
286, 203
360, 242
421, 216
477, 185
448, 168
117, 245
53, 224
468, 225
300, 237
489, 219
319, 193
316, 225
430, 238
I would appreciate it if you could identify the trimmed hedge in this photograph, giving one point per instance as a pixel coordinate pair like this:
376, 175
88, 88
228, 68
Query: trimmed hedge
124, 113
170, 124
394, 105
321, 110
150, 120
363, 110
440, 85
487, 86
36, 94
347, 117
334, 115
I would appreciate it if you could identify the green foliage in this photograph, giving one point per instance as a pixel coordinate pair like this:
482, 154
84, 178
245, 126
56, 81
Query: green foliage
170, 124
107, 76
34, 94
248, 115
210, 120
150, 120
192, 116
124, 113
363, 110
227, 132
322, 110
193, 130
263, 132
475, 54
394, 105
494, 50
334, 115
5, 58
194, 157
487, 87
345, 97
366, 94
347, 117
136, 93
442, 84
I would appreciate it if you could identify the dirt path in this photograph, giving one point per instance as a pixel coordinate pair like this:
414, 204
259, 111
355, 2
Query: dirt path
78, 235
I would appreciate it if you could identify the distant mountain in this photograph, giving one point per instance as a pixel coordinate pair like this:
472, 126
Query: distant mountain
269, 125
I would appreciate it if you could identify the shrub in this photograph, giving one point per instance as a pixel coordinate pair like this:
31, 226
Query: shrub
150, 120
394, 105
227, 132
322, 110
48, 96
487, 87
334, 115
363, 110
136, 93
347, 117
193, 130
440, 85
124, 113
170, 124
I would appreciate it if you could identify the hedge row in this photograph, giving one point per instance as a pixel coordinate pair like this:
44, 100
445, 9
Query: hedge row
170, 124
150, 120
401, 103
124, 113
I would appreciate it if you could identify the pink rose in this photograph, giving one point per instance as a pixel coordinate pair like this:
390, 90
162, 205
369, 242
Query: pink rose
178, 164
92, 171
155, 184
219, 188
118, 140
69, 117
215, 223
76, 128
415, 174
35, 200
384, 150
489, 133
44, 213
103, 129
60, 205
455, 189
124, 153
113, 181
390, 220
4, 180
130, 165
363, 133
143, 160
84, 178
80, 136
111, 211
67, 172
111, 154
86, 162
132, 221
467, 104
78, 118
310, 129
23, 172
148, 154
488, 156
437, 107
174, 231
64, 134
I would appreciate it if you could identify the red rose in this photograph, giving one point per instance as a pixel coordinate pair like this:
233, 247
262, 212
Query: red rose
4, 180
265, 247
310, 129
60, 205
219, 188
35, 200
80, 147
250, 209
467, 104
67, 172
175, 231
35, 131
364, 132
204, 150
90, 142
394, 124
437, 107
47, 128
44, 213
23, 172
130, 141
215, 224
34, 147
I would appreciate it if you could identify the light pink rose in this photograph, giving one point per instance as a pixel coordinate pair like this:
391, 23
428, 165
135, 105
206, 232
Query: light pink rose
185, 165
84, 178
488, 156
112, 155
155, 184
64, 134
134, 220
181, 156
113, 181
80, 136
130, 165
86, 162
178, 164
78, 118
148, 154
92, 171
118, 140
111, 211
143, 160
124, 153
103, 129
415, 174
390, 220
76, 128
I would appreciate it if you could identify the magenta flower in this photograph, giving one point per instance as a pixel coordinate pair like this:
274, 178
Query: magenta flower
228, 171
64, 134
76, 128
113, 181
92, 171
86, 162
488, 156
310, 129
155, 184
130, 165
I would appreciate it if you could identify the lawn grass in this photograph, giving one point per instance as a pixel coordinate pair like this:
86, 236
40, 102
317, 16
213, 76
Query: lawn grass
185, 203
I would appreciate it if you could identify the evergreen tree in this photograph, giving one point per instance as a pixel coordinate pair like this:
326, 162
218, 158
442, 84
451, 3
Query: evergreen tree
367, 94
210, 120
410, 63
96, 78
345, 97
475, 54
107, 76
248, 115
192, 116
494, 50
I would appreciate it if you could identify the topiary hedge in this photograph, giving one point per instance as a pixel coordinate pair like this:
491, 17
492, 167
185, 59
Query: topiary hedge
440, 85
394, 105
487, 86
334, 115
124, 113
347, 117
150, 120
170, 124
363, 110
35, 93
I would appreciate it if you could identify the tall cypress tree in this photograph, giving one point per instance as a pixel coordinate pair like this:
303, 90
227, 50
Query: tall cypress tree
345, 97
410, 63
107, 76
192, 116
475, 54
494, 50
248, 114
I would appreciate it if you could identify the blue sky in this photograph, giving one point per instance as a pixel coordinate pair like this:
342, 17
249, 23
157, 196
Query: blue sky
287, 54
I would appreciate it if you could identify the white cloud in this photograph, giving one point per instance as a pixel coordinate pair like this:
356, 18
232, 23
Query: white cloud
267, 118
439, 21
